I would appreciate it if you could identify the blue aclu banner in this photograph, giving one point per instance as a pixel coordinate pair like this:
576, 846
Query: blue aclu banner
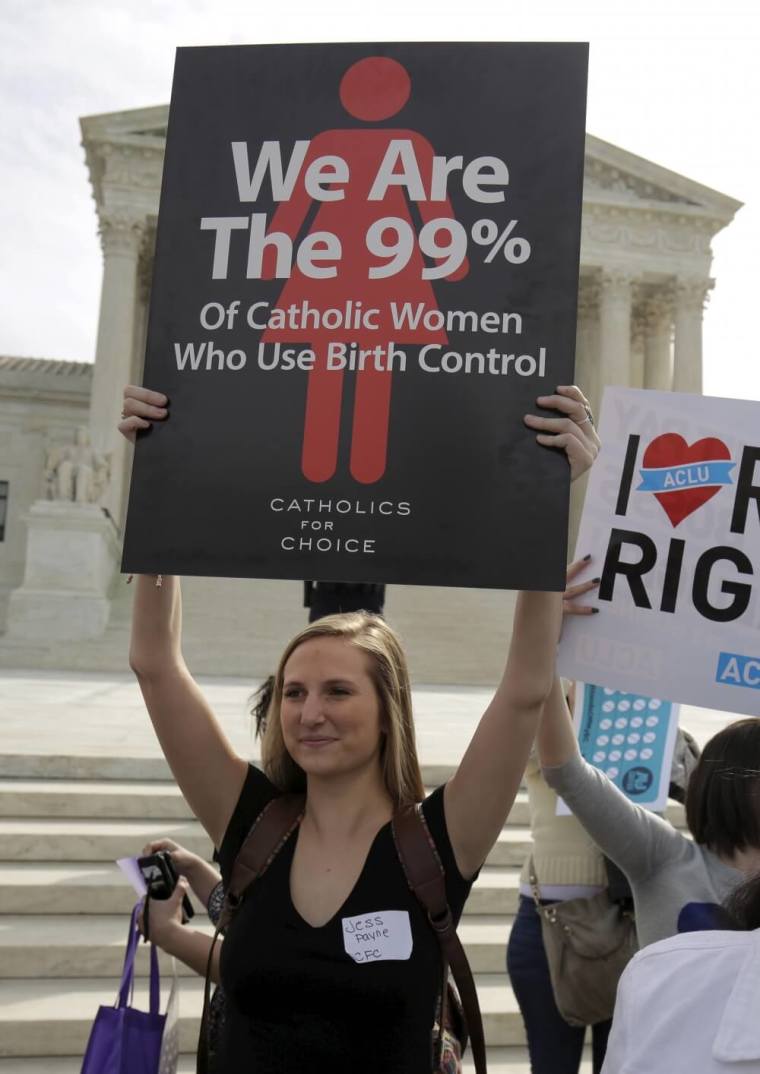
734, 669
669, 478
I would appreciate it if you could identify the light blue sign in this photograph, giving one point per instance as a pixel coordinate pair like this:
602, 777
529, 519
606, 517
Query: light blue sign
630, 738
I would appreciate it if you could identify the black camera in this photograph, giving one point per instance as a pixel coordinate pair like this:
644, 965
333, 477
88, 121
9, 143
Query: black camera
161, 879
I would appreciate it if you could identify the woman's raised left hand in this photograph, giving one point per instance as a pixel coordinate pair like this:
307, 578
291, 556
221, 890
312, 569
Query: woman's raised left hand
576, 590
572, 431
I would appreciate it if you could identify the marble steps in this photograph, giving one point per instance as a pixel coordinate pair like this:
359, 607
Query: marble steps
138, 769
91, 946
74, 840
53, 1017
99, 888
505, 1060
84, 799
157, 799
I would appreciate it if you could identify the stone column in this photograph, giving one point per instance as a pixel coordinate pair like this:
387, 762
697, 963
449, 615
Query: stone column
658, 372
588, 379
144, 285
587, 374
121, 235
690, 296
638, 331
615, 326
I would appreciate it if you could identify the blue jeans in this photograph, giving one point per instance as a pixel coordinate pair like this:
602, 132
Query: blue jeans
554, 1046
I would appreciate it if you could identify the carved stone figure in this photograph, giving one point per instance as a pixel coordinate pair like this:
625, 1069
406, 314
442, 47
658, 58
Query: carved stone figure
75, 472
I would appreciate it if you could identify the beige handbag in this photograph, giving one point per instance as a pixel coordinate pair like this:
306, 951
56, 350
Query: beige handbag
588, 944
169, 1057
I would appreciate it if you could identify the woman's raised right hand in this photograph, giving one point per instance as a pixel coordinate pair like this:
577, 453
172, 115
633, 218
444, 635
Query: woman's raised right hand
141, 408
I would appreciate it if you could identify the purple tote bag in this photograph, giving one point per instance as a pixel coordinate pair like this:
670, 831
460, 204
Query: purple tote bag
122, 1039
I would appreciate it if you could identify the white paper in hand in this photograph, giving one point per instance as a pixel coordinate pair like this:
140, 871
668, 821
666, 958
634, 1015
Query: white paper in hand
131, 870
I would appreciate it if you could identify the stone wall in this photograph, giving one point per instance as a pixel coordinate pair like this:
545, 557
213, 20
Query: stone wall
41, 403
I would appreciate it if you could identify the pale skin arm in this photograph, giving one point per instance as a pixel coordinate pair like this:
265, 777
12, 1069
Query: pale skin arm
186, 944
208, 771
483, 789
481, 793
192, 948
556, 740
639, 842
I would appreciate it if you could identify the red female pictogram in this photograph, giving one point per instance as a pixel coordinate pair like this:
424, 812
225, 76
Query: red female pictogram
373, 89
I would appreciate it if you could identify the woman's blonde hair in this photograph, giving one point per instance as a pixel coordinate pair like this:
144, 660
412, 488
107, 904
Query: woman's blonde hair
398, 754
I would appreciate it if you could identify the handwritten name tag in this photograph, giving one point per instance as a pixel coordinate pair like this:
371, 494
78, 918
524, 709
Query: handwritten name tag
378, 937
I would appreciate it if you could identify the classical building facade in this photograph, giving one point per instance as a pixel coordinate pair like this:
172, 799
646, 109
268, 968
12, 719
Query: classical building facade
645, 278
42, 404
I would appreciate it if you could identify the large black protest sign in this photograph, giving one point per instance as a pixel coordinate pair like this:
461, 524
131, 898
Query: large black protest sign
366, 271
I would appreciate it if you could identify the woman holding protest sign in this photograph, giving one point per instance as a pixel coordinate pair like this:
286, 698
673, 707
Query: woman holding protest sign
333, 958
677, 884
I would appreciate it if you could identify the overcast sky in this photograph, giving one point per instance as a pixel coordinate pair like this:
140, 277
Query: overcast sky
677, 81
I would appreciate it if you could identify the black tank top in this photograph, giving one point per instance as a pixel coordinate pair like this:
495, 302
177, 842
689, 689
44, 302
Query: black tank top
356, 996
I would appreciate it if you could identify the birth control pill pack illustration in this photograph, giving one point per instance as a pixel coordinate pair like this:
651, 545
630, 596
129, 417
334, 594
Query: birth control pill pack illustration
630, 738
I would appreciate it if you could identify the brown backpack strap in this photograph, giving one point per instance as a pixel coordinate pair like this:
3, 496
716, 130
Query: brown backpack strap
271, 830
202, 1057
426, 877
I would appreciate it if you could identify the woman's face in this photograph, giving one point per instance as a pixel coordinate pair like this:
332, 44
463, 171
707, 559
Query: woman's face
330, 713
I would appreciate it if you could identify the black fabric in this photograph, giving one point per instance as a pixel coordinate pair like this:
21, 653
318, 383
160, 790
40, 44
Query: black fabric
328, 598
217, 1006
618, 888
296, 1002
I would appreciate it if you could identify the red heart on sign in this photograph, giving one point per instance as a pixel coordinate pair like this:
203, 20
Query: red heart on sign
670, 449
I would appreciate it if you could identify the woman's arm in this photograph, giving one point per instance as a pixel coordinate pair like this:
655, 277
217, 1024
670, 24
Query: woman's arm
557, 743
167, 932
209, 773
483, 789
192, 948
636, 839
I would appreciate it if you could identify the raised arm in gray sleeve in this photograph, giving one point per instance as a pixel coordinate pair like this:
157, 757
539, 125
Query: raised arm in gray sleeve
637, 840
